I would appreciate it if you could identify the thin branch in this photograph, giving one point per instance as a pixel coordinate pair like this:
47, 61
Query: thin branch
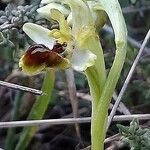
121, 107
21, 88
12, 124
124, 87
81, 111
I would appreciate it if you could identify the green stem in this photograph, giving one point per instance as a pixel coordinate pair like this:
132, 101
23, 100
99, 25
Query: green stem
38, 110
100, 113
99, 117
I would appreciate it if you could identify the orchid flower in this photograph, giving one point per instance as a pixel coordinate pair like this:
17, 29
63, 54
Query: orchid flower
60, 48
76, 44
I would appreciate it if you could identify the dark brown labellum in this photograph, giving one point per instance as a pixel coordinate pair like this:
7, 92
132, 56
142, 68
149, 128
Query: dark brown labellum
39, 54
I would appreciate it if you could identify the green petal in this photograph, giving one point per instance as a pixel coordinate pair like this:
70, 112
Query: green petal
39, 34
82, 59
60, 18
85, 33
98, 14
117, 20
46, 10
64, 32
80, 14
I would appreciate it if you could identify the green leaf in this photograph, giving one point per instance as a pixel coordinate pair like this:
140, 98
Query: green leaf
10, 140
123, 129
37, 110
113, 9
136, 137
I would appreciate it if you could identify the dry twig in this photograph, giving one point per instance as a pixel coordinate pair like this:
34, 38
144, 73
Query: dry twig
21, 88
26, 123
73, 97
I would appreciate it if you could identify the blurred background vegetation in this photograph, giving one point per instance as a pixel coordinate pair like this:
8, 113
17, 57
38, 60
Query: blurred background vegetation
16, 105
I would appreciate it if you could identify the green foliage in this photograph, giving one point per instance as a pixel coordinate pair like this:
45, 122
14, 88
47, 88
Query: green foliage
135, 136
10, 139
38, 110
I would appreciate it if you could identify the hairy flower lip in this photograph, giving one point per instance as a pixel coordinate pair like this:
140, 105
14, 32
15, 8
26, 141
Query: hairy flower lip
39, 57
58, 48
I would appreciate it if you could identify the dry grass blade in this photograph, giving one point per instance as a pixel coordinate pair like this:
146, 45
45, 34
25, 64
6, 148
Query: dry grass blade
12, 124
73, 97
124, 87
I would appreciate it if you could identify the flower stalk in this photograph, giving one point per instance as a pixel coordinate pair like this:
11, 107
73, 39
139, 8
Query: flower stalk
100, 111
100, 114
38, 109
